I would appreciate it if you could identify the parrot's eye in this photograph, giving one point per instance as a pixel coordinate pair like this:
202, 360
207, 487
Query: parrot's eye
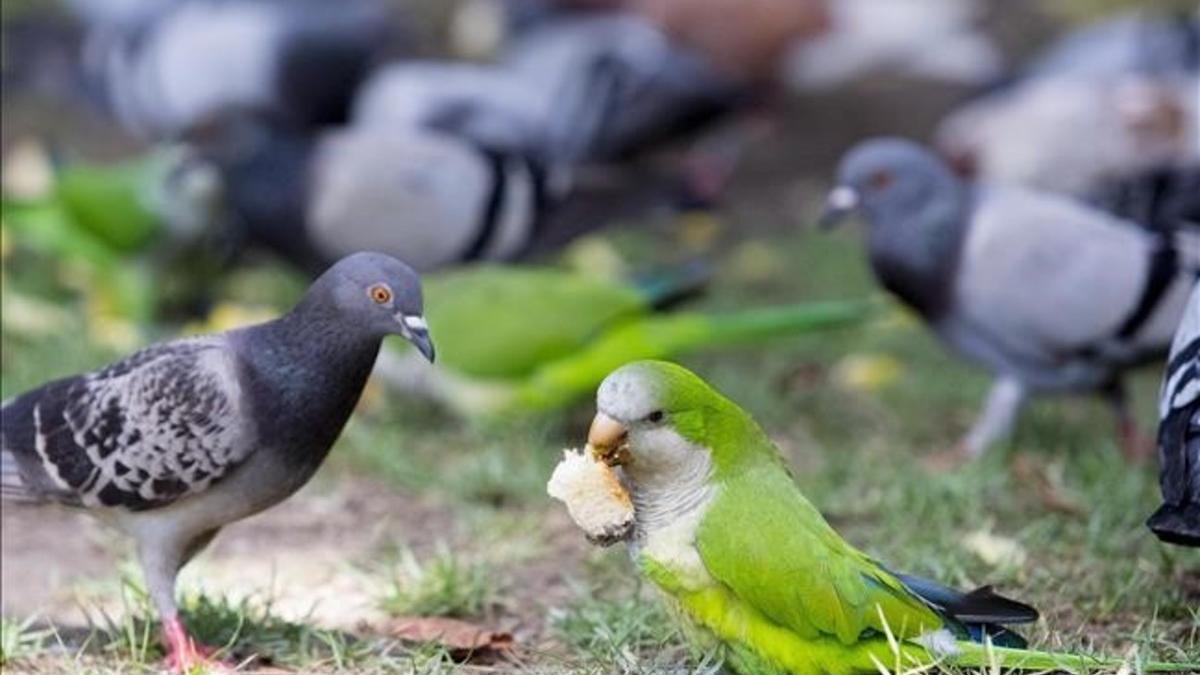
380, 294
655, 417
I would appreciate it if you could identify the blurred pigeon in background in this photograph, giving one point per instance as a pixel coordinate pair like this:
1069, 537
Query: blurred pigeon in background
1071, 135
586, 88
1177, 521
1048, 293
1103, 104
553, 334
1162, 199
185, 437
171, 67
1131, 42
427, 196
868, 37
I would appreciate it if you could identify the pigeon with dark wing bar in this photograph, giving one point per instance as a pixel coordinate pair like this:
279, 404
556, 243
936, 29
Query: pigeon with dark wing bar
182, 438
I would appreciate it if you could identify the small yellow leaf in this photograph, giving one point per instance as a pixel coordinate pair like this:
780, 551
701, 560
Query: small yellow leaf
756, 262
27, 172
994, 549
698, 230
230, 315
31, 316
596, 258
867, 373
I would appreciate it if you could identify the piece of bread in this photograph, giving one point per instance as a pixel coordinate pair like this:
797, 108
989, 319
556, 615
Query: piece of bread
595, 498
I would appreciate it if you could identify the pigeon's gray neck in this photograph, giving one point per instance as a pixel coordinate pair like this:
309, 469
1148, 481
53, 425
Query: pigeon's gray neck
308, 370
915, 251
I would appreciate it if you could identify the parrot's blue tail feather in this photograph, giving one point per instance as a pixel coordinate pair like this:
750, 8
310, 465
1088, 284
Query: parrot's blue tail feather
982, 612
666, 288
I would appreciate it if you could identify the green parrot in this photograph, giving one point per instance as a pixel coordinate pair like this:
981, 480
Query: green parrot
722, 529
529, 339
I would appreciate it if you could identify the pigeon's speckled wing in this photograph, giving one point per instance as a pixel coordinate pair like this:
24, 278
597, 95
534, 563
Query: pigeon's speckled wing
138, 434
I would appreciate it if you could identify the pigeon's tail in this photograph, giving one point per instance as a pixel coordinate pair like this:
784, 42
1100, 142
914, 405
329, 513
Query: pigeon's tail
997, 659
12, 487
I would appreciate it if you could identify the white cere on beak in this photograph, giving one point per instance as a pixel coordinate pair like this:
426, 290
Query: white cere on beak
410, 325
843, 198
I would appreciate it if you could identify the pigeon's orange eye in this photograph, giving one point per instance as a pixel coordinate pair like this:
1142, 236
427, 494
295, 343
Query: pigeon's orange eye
880, 180
380, 293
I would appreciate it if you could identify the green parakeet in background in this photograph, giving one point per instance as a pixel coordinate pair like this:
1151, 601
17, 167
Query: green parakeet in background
526, 339
107, 220
722, 529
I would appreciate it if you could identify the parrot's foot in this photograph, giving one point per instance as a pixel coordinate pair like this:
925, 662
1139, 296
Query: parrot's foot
946, 461
185, 655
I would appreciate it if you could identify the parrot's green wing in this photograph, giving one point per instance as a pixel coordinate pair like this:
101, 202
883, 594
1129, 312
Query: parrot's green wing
774, 550
113, 203
503, 322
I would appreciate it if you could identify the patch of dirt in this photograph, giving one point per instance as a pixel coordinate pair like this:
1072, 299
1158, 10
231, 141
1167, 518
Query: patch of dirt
309, 555
316, 558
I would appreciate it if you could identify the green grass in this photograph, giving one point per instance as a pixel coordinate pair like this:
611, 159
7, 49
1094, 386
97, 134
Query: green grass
21, 639
629, 631
444, 584
1102, 581
239, 629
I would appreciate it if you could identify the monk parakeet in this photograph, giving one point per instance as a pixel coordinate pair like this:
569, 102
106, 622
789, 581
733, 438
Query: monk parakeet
722, 529
514, 339
108, 220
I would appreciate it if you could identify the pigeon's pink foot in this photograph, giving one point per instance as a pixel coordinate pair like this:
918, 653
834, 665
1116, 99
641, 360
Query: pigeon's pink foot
1135, 446
185, 655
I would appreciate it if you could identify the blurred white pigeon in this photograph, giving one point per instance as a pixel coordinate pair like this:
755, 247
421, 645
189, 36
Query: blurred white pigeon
936, 39
1069, 134
574, 89
1104, 103
170, 68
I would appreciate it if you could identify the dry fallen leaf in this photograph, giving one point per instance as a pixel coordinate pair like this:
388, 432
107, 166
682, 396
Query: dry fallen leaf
994, 549
462, 639
1047, 482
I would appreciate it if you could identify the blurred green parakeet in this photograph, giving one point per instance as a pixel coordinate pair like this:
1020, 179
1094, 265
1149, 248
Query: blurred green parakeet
722, 529
513, 339
111, 221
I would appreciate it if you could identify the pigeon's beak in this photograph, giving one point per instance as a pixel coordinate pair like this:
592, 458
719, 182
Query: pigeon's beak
609, 440
415, 330
842, 201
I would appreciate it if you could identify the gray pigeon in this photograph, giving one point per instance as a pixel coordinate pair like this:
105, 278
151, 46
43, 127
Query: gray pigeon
576, 89
1048, 293
184, 437
171, 67
1177, 521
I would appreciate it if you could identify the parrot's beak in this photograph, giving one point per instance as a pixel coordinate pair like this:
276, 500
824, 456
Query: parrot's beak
415, 330
609, 440
842, 201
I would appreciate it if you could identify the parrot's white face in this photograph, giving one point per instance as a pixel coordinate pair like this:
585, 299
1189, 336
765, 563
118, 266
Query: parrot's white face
669, 477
